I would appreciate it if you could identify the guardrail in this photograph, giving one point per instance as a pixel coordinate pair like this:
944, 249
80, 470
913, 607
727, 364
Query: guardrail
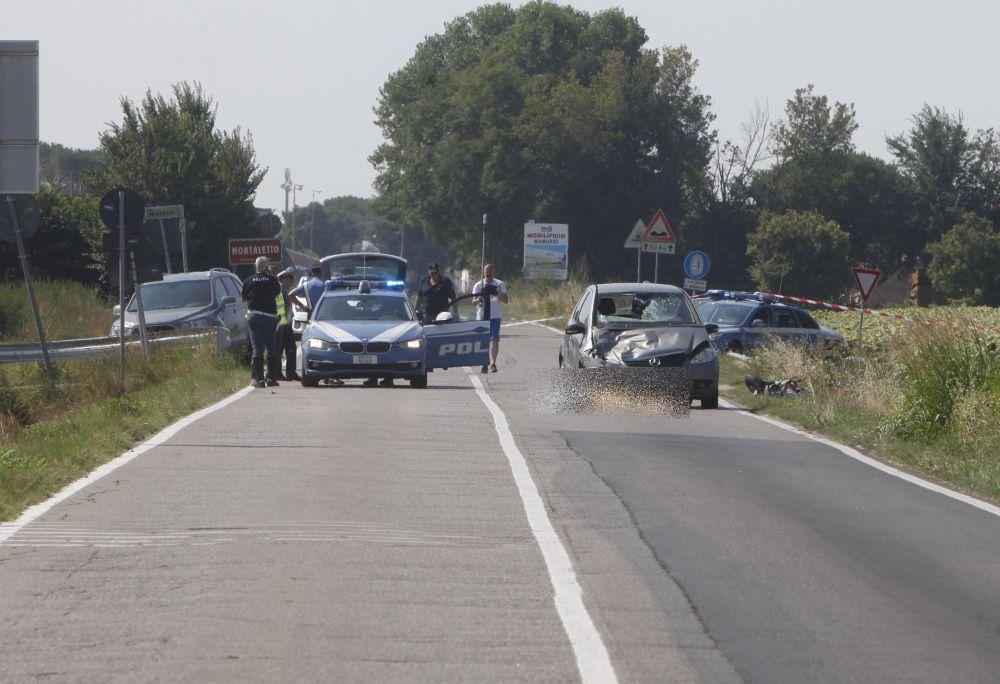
97, 347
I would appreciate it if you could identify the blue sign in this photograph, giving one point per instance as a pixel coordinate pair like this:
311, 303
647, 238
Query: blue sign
696, 265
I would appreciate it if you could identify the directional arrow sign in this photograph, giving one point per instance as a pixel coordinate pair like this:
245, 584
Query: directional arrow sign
866, 278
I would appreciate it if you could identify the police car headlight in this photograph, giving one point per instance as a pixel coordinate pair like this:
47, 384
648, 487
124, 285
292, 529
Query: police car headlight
316, 343
412, 344
706, 355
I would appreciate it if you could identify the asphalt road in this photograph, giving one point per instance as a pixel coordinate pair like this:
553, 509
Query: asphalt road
352, 534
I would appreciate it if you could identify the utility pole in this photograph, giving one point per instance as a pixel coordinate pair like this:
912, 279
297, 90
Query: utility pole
312, 221
295, 187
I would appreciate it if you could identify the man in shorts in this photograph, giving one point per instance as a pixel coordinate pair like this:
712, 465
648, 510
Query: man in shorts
489, 306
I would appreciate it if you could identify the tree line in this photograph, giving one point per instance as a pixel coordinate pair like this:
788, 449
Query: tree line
549, 113
169, 150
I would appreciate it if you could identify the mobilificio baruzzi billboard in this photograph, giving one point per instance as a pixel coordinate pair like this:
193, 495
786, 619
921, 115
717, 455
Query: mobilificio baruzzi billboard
546, 250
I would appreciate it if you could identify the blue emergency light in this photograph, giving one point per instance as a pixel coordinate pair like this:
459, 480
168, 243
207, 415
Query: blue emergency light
745, 296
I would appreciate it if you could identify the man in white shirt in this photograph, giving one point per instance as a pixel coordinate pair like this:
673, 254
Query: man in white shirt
489, 306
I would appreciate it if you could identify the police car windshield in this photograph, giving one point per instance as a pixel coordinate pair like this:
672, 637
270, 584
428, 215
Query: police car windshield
660, 308
181, 294
724, 313
369, 307
363, 267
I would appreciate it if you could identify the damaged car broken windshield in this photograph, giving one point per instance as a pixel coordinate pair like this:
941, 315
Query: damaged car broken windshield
644, 308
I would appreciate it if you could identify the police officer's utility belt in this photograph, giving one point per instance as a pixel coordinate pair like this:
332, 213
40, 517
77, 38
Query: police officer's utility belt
251, 312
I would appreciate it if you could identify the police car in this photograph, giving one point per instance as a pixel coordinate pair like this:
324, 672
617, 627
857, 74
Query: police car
748, 319
365, 327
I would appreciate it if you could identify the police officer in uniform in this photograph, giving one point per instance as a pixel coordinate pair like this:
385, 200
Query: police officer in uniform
259, 292
286, 341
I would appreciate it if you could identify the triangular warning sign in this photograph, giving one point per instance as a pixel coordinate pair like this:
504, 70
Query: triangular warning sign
866, 278
659, 229
635, 237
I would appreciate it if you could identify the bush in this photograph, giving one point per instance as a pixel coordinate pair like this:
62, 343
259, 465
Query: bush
801, 252
939, 368
965, 263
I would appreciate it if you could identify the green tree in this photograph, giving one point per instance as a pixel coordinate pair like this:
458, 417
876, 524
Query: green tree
813, 128
170, 152
799, 252
541, 112
67, 243
67, 169
964, 263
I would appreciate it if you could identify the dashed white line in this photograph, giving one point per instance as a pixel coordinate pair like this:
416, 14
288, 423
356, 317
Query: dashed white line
592, 658
7, 530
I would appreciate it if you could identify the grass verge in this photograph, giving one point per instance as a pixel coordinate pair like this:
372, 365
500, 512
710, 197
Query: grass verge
930, 402
69, 310
48, 441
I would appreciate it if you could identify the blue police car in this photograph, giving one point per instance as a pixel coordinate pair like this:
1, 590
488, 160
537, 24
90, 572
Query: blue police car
748, 319
365, 327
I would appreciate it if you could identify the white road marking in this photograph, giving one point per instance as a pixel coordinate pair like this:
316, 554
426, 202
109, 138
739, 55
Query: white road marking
592, 658
7, 530
534, 322
867, 460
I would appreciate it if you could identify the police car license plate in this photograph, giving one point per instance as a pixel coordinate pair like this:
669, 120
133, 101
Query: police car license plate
365, 359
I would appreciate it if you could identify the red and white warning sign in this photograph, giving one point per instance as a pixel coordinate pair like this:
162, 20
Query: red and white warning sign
866, 278
659, 236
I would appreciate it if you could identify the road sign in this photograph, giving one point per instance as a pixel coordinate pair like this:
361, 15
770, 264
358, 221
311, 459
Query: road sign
135, 208
634, 238
19, 117
659, 229
169, 211
696, 265
695, 284
546, 250
27, 215
246, 250
867, 279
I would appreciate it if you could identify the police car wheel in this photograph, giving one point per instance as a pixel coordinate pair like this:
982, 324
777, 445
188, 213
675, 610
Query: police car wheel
420, 382
309, 381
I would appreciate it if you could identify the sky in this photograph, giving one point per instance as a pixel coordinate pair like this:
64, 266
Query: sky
303, 75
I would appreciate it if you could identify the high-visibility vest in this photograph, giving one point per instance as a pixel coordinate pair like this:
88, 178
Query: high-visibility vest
279, 303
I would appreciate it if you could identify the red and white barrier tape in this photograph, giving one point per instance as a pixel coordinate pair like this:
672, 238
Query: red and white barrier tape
882, 314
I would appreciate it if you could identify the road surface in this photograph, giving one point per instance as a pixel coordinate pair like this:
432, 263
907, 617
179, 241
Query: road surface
384, 535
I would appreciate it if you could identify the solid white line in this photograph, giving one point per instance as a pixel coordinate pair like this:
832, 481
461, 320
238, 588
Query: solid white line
867, 460
7, 530
592, 658
535, 322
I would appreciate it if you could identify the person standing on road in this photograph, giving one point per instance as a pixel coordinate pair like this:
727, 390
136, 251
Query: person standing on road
286, 342
489, 306
306, 295
434, 294
259, 292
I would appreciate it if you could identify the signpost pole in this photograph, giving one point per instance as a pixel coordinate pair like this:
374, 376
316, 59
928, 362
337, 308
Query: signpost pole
143, 334
638, 264
26, 267
166, 250
121, 286
656, 268
184, 244
861, 322
482, 266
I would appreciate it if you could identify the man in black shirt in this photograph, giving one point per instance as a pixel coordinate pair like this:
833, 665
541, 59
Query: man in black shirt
259, 292
434, 293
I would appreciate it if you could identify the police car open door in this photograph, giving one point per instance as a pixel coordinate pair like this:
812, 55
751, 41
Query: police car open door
457, 343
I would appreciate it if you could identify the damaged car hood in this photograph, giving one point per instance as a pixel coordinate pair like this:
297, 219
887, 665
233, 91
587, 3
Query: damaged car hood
628, 346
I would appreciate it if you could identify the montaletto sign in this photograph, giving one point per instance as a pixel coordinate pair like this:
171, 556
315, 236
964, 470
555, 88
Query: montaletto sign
246, 250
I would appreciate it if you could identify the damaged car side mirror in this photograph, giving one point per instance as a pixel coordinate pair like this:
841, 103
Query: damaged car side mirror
575, 328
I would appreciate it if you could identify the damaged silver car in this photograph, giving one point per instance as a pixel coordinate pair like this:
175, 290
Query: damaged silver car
647, 326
